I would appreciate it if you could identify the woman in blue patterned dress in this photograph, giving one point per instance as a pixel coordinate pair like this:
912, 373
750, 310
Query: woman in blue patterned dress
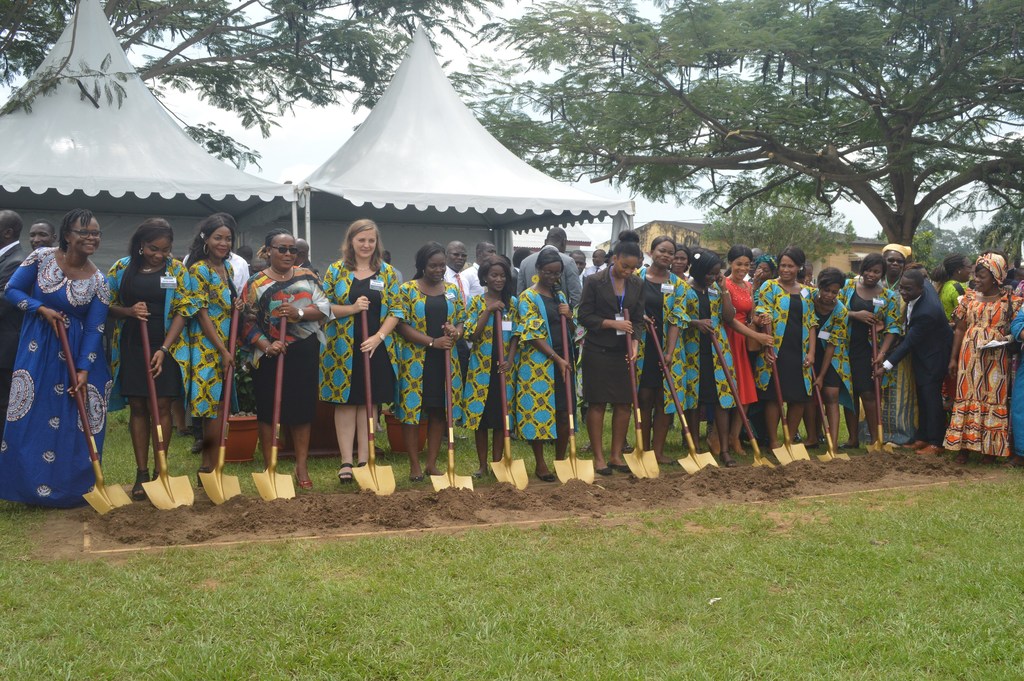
359, 281
432, 314
542, 412
152, 287
481, 396
208, 310
44, 458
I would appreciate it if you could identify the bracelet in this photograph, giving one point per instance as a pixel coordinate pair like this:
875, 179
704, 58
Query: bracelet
431, 343
163, 349
382, 337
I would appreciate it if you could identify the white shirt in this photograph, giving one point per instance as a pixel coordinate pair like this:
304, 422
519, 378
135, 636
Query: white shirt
450, 277
240, 271
471, 278
887, 365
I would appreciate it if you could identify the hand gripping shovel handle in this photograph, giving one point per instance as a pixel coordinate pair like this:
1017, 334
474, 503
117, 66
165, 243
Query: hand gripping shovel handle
154, 405
717, 345
877, 378
83, 414
567, 356
282, 330
229, 378
499, 338
632, 375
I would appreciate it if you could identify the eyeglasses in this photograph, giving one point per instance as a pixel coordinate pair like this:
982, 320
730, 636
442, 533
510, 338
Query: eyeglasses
87, 233
286, 249
896, 261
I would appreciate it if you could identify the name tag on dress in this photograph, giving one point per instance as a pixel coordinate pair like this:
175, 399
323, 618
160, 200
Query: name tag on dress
376, 284
824, 335
667, 288
877, 302
168, 282
449, 295
803, 293
619, 332
506, 325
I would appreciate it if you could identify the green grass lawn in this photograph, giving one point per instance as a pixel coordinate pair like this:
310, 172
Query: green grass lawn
895, 585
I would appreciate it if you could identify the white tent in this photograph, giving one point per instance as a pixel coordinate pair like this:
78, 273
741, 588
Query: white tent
421, 158
100, 139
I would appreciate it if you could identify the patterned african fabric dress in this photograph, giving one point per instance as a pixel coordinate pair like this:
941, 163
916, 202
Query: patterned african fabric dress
537, 385
742, 295
673, 293
414, 363
899, 398
338, 352
859, 333
481, 397
980, 420
126, 335
1017, 394
833, 330
704, 376
44, 458
206, 374
261, 297
795, 342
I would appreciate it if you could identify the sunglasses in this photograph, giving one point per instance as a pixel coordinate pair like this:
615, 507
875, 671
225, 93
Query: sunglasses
286, 249
896, 261
87, 233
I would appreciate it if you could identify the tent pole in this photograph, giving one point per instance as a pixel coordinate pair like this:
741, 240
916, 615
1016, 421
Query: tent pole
309, 231
295, 218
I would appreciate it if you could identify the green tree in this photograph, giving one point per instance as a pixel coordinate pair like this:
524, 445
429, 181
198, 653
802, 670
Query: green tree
772, 229
905, 106
256, 59
1004, 232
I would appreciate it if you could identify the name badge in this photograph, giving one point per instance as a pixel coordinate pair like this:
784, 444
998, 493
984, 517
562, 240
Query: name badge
449, 295
168, 282
667, 288
506, 325
804, 293
824, 335
619, 332
376, 284
878, 302
712, 293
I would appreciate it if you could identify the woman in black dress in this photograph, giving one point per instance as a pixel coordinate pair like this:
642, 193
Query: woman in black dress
149, 286
608, 338
283, 290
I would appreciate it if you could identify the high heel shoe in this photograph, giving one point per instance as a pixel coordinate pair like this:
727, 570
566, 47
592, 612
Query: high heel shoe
138, 492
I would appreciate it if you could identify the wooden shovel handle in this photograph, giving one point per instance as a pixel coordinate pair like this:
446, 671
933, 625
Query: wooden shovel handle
666, 372
229, 378
83, 413
282, 329
499, 339
154, 404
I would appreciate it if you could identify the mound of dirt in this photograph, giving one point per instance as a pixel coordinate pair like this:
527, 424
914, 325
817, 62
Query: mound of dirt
315, 514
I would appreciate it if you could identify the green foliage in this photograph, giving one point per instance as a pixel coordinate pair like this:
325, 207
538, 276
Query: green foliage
763, 226
245, 391
256, 60
907, 107
932, 245
1004, 232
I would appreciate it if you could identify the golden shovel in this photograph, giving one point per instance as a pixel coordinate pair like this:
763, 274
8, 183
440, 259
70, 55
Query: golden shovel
643, 464
165, 492
378, 479
572, 468
449, 478
101, 497
832, 454
270, 484
219, 487
512, 471
879, 445
758, 459
786, 454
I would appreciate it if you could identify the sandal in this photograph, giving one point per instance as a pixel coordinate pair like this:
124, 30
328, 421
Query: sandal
306, 484
138, 492
344, 475
199, 481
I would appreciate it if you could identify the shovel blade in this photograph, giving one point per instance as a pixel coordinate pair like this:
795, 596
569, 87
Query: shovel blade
378, 479
782, 454
705, 459
445, 481
220, 487
575, 469
843, 456
512, 471
690, 464
272, 485
759, 460
642, 465
166, 492
105, 499
798, 452
826, 457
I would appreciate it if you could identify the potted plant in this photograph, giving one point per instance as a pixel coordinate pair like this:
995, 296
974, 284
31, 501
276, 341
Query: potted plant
243, 433
396, 440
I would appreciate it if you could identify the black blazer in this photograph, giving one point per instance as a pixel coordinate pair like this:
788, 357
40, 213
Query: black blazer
929, 338
10, 315
599, 303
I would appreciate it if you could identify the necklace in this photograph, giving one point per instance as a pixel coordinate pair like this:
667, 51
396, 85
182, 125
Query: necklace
148, 270
277, 276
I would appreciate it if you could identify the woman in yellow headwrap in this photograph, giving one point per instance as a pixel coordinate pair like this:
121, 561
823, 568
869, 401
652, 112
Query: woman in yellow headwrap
980, 419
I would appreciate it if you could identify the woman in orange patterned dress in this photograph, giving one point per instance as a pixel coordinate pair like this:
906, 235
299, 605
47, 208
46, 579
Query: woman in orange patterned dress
980, 420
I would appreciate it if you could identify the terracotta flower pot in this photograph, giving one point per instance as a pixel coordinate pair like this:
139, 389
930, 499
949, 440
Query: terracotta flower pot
395, 438
243, 435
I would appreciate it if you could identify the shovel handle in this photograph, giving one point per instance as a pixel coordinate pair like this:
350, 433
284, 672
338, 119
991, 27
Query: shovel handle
499, 339
367, 385
83, 413
567, 356
878, 379
668, 377
229, 378
632, 374
448, 400
154, 404
275, 423
732, 385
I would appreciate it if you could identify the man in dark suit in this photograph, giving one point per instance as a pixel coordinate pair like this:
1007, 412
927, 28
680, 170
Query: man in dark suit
929, 340
11, 256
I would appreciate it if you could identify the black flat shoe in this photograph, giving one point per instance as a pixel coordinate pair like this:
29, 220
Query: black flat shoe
415, 478
550, 477
138, 493
199, 481
727, 460
620, 467
603, 471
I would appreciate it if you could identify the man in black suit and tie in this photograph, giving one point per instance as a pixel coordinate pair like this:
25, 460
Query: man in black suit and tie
929, 340
11, 256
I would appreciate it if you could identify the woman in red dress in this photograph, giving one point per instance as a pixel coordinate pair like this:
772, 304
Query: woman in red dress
738, 332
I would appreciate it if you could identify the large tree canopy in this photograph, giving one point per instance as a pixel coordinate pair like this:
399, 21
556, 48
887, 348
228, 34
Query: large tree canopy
906, 106
255, 58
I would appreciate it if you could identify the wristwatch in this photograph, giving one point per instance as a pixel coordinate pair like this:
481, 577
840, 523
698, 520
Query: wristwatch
302, 313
